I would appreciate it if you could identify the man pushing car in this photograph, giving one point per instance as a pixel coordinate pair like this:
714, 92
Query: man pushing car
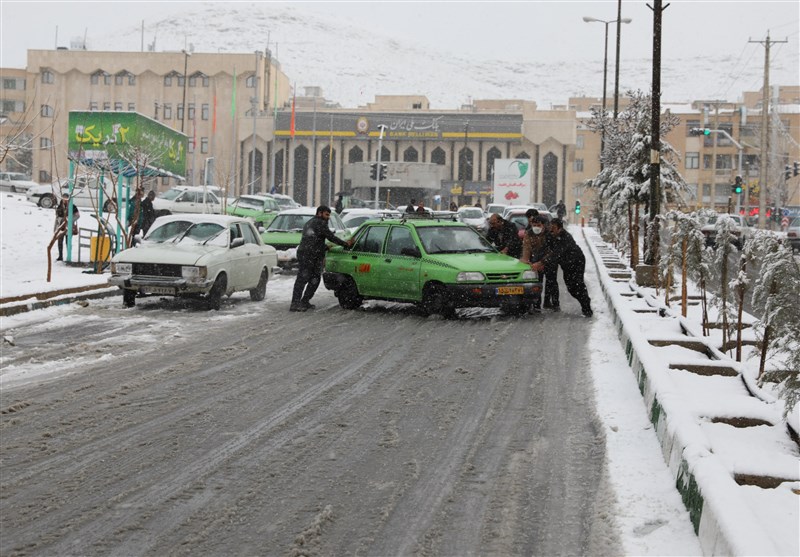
311, 258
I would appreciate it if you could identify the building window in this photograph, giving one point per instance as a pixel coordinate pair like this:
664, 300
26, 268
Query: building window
204, 145
181, 80
167, 112
119, 79
706, 162
45, 143
12, 106
577, 165
47, 111
44, 176
131, 79
106, 79
438, 156
190, 115
250, 81
416, 106
193, 81
205, 81
692, 161
179, 112
168, 80
93, 106
131, 107
107, 106
190, 146
94, 79
579, 142
117, 106
410, 155
48, 77
724, 162
204, 112
13, 83
691, 124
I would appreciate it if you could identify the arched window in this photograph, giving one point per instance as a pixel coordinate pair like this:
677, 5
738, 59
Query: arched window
328, 173
410, 155
47, 76
250, 81
47, 111
301, 174
522, 155
355, 155
438, 156
465, 164
386, 155
492, 155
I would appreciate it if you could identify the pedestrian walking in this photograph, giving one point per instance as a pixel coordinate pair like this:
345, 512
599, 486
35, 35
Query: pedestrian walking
60, 226
504, 236
148, 211
564, 252
135, 215
311, 258
561, 209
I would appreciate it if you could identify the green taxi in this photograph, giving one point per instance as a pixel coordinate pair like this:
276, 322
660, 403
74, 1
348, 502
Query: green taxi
261, 208
438, 264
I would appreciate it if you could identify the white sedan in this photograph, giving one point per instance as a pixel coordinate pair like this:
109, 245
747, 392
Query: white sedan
202, 256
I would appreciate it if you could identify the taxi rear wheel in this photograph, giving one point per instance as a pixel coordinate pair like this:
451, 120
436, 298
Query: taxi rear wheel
214, 298
348, 295
260, 291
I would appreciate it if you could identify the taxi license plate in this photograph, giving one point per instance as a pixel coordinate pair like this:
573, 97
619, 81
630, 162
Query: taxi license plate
159, 290
509, 290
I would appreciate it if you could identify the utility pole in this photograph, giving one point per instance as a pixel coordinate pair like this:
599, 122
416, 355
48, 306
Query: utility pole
616, 64
254, 104
274, 124
186, 55
382, 127
764, 162
314, 156
651, 255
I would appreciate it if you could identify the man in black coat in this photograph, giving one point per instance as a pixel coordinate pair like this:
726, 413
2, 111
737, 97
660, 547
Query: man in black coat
148, 212
562, 250
504, 236
410, 208
311, 258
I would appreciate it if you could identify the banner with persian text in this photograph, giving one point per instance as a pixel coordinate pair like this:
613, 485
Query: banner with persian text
512, 181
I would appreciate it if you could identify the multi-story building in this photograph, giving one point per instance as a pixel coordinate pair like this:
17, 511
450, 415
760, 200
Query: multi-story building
15, 118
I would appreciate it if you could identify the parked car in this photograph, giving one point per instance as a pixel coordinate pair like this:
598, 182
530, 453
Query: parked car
214, 256
355, 217
439, 265
16, 182
793, 234
741, 230
541, 207
517, 216
261, 208
85, 192
284, 233
188, 199
472, 216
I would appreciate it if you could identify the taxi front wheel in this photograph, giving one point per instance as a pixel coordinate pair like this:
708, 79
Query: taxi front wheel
348, 296
434, 300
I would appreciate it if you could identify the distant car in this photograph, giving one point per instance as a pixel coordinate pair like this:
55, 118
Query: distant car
495, 208
16, 182
188, 199
473, 216
541, 207
741, 230
517, 216
261, 208
86, 192
284, 233
793, 234
439, 265
213, 256
285, 202
355, 217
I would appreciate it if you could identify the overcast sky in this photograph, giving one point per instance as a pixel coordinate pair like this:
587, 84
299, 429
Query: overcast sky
546, 30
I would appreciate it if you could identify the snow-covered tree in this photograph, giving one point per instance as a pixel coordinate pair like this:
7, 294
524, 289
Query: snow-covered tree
623, 185
724, 227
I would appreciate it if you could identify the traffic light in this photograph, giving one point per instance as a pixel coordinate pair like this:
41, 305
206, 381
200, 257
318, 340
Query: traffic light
796, 170
699, 131
787, 172
736, 188
577, 207
373, 171
382, 174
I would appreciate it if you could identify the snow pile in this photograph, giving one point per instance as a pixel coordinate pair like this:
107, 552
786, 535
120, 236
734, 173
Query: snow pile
724, 439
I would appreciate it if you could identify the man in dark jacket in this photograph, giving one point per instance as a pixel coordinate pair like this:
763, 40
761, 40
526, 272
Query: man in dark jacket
562, 250
311, 258
148, 211
410, 208
504, 236
561, 209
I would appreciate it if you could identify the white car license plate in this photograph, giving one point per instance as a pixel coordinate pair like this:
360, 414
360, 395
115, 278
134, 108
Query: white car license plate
159, 290
510, 290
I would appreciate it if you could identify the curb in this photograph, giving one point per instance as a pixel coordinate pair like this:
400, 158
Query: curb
723, 522
65, 296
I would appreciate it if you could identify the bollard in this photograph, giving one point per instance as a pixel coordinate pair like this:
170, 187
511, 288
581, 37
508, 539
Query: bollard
583, 222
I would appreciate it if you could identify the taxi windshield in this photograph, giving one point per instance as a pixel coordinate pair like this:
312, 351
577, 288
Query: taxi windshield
452, 239
250, 203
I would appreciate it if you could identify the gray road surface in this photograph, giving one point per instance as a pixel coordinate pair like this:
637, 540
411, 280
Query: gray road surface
169, 430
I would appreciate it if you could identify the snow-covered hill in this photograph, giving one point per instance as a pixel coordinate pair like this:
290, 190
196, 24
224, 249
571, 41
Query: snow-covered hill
352, 64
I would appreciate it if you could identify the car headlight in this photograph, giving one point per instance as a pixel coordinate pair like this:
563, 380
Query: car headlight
192, 272
121, 268
470, 276
530, 275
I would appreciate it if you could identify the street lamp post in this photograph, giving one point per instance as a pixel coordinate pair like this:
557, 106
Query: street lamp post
186, 55
605, 68
382, 127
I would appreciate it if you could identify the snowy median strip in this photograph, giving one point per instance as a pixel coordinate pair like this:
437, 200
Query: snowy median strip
724, 439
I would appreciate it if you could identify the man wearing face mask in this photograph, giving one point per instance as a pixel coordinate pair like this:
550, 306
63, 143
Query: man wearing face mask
534, 248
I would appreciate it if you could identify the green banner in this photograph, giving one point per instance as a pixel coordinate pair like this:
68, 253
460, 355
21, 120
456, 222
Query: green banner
128, 139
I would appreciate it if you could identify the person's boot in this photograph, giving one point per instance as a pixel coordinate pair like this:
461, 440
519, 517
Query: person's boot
297, 307
307, 305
